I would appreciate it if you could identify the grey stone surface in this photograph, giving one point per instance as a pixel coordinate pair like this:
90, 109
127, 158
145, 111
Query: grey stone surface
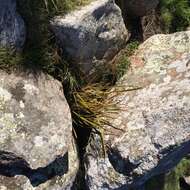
36, 144
92, 35
12, 28
154, 121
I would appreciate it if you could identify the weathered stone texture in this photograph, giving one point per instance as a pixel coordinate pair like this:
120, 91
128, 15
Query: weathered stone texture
155, 120
92, 35
35, 133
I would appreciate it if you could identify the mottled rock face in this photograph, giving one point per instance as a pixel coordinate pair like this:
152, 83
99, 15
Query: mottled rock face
35, 133
93, 35
12, 28
155, 120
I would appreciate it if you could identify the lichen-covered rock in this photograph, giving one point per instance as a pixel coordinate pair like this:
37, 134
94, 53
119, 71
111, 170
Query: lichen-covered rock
12, 28
154, 121
92, 35
57, 176
35, 133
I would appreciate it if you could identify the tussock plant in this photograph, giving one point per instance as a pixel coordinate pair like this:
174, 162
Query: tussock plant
91, 103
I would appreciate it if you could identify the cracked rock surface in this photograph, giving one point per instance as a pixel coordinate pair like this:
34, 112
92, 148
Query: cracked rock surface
155, 120
37, 149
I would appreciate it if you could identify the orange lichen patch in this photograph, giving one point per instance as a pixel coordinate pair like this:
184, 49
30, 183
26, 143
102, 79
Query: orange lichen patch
146, 82
136, 61
178, 55
172, 72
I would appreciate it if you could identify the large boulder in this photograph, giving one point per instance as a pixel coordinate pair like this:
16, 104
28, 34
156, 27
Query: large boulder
151, 132
37, 150
92, 35
12, 28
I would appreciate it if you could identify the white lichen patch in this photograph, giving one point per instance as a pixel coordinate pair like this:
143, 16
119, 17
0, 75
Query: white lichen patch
22, 105
38, 141
179, 65
20, 115
5, 95
8, 127
77, 16
3, 187
31, 89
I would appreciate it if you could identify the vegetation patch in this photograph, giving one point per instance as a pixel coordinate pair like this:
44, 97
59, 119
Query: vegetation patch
171, 180
9, 60
175, 14
111, 72
40, 50
89, 102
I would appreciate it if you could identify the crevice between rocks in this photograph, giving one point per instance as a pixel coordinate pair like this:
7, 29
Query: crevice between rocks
133, 24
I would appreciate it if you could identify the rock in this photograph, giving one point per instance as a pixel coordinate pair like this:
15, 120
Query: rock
12, 28
154, 121
92, 35
136, 8
36, 144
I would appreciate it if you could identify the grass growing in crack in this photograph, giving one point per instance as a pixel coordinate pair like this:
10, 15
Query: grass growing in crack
89, 102
113, 71
92, 104
123, 64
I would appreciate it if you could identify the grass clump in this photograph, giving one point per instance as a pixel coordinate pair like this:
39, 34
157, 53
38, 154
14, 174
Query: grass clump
9, 60
92, 103
123, 64
175, 14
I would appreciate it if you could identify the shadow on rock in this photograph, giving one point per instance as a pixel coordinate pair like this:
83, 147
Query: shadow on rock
12, 165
